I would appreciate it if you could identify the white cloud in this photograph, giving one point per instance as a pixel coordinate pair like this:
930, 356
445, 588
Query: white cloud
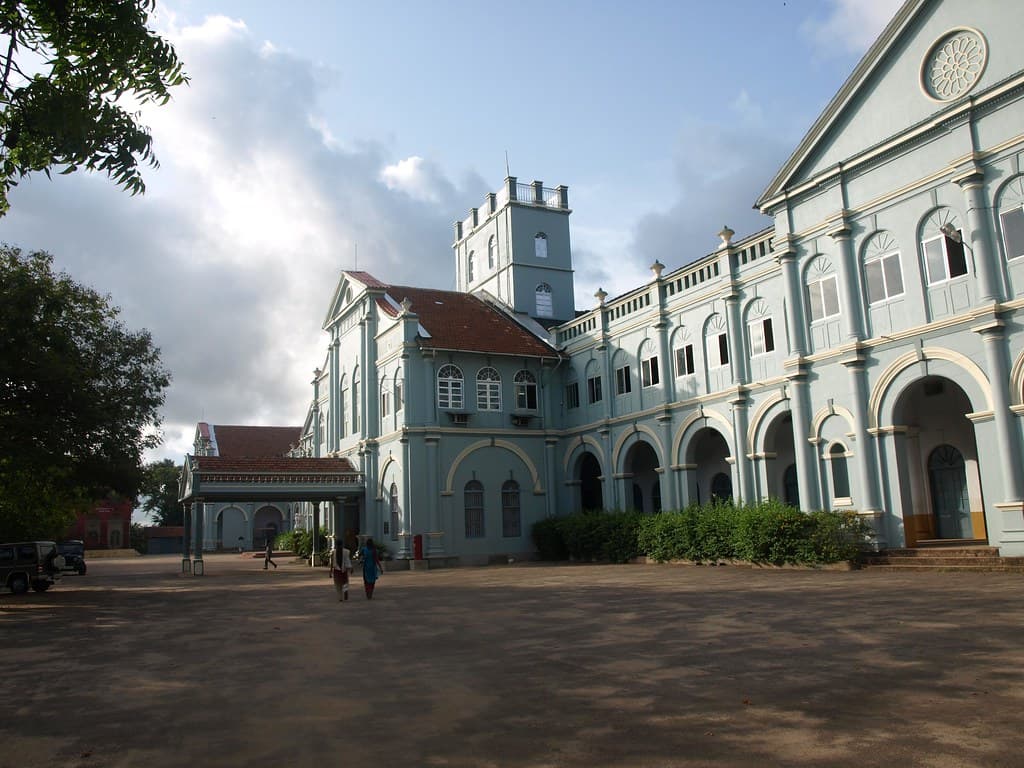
231, 256
850, 26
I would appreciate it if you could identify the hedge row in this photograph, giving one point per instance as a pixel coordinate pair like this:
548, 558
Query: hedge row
769, 532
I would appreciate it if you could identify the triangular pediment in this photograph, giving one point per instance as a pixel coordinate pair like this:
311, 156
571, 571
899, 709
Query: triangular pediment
350, 286
900, 85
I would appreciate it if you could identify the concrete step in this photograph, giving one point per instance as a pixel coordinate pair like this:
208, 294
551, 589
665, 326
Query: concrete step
919, 568
925, 562
926, 552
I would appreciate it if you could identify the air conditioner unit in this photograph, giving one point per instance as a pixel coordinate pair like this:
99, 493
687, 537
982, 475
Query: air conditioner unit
521, 419
459, 418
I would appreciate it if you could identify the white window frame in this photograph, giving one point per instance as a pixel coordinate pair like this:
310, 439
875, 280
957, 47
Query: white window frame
544, 300
650, 373
540, 245
595, 393
572, 395
471, 267
818, 286
720, 348
525, 384
881, 261
623, 380
1019, 210
762, 336
685, 365
947, 275
488, 389
450, 388
492, 251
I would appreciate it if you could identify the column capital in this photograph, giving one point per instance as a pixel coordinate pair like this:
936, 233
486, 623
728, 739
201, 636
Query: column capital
968, 175
839, 226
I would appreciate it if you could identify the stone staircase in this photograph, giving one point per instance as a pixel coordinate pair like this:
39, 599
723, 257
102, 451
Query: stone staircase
942, 558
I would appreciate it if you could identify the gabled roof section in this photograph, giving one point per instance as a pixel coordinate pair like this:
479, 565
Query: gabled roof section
239, 442
846, 94
464, 322
358, 282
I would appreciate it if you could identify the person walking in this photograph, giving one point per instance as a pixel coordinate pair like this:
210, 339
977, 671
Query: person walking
341, 567
371, 566
267, 554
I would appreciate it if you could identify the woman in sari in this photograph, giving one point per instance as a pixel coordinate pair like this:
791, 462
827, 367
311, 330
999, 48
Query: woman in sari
371, 566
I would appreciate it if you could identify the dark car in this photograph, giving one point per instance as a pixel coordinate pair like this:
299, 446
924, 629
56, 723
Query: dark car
29, 563
74, 556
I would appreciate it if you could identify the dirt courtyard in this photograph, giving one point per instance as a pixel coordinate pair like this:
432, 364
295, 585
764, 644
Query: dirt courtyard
525, 665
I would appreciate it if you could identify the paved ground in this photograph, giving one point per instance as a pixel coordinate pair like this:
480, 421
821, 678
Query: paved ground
135, 665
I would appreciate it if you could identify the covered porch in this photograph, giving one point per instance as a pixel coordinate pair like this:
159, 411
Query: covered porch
217, 479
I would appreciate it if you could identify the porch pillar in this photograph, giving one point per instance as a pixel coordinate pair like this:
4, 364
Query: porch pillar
740, 422
434, 544
669, 494
977, 237
198, 523
866, 455
316, 534
186, 561
810, 497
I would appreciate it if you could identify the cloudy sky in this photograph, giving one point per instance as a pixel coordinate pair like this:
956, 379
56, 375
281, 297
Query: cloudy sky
316, 133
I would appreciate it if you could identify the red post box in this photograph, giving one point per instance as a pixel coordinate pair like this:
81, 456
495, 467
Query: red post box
417, 547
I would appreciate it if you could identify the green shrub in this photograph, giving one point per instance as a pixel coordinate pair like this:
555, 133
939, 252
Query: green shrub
836, 536
302, 543
549, 539
668, 536
285, 541
772, 532
713, 528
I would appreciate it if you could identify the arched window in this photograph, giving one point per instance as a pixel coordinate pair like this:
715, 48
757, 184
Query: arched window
526, 391
1011, 218
717, 340
822, 290
399, 393
342, 419
511, 523
322, 433
840, 472
492, 252
883, 274
540, 245
791, 486
394, 512
760, 333
355, 401
449, 387
471, 267
944, 255
488, 390
473, 501
543, 297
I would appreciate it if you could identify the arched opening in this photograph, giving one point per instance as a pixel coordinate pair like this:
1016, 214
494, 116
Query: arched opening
642, 466
947, 481
780, 466
709, 452
589, 476
231, 528
266, 526
937, 456
721, 487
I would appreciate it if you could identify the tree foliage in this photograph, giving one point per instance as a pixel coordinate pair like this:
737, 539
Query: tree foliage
79, 398
159, 492
67, 68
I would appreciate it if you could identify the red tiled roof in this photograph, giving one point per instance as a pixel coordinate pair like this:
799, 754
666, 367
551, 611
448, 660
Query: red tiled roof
250, 442
366, 279
270, 464
462, 321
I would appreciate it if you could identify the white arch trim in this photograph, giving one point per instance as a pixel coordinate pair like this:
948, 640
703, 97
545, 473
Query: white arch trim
1017, 381
903, 362
760, 415
824, 413
637, 429
710, 415
576, 445
491, 443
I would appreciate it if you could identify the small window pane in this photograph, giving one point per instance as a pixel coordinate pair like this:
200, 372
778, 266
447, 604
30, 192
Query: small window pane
956, 257
840, 473
814, 295
594, 389
935, 259
830, 296
893, 275
1013, 232
723, 349
540, 244
769, 336
875, 278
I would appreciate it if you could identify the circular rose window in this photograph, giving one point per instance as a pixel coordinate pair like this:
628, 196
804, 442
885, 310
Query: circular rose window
954, 64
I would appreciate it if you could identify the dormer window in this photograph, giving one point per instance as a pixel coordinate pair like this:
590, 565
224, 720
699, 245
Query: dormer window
540, 245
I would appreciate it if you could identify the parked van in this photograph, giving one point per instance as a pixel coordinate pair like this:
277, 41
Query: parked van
29, 563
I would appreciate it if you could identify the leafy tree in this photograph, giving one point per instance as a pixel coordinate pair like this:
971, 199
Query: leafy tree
66, 69
79, 398
159, 491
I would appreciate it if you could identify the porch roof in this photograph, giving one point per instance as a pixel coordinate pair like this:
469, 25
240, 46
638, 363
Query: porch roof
222, 478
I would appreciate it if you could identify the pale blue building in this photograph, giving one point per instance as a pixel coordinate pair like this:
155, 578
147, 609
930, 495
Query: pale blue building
864, 352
